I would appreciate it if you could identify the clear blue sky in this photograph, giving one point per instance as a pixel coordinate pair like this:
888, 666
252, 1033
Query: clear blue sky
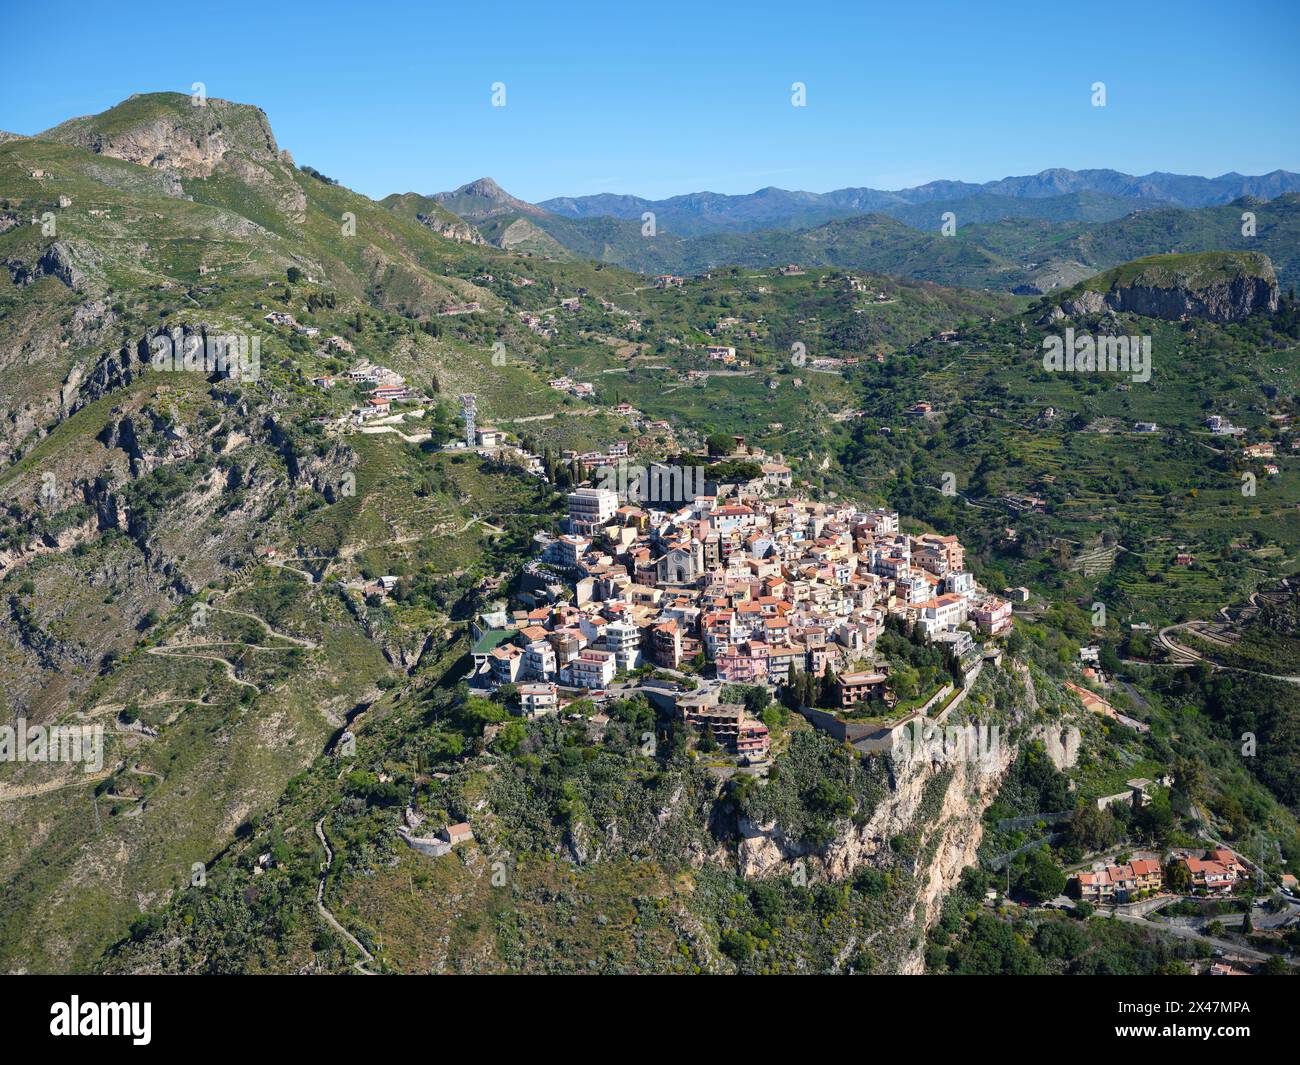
679, 97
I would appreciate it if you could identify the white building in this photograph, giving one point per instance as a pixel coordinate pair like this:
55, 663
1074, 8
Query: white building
962, 584
539, 661
624, 639
591, 508
592, 669
940, 614
538, 699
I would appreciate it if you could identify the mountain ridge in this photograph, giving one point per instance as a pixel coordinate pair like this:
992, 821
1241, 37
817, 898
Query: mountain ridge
1179, 189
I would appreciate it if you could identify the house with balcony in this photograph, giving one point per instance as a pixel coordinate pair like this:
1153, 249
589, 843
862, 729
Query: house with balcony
854, 688
592, 669
991, 615
537, 699
743, 663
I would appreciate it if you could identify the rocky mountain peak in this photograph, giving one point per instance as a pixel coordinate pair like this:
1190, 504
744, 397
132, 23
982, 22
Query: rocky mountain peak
181, 134
484, 198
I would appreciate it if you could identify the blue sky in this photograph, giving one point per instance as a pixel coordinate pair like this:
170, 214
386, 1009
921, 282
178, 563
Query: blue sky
680, 97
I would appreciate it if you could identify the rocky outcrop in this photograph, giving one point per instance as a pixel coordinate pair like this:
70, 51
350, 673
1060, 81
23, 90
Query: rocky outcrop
75, 265
1220, 287
173, 132
192, 138
1230, 301
451, 229
950, 835
522, 234
765, 849
941, 798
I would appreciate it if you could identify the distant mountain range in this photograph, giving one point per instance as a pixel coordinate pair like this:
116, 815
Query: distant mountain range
772, 208
1026, 234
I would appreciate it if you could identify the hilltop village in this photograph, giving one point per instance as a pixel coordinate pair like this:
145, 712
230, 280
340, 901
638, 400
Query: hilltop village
685, 601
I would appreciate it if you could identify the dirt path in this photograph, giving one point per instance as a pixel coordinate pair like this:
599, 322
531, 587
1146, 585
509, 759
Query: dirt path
169, 652
581, 412
411, 438
8, 792
284, 564
330, 919
190, 650
299, 640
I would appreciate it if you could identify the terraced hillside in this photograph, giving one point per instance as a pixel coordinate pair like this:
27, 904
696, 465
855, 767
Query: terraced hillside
189, 557
1119, 468
185, 552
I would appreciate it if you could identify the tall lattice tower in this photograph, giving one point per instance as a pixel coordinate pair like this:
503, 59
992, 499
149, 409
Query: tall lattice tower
468, 408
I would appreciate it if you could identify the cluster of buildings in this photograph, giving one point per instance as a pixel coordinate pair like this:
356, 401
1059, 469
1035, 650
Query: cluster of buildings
1121, 883
542, 325
388, 387
579, 389
1215, 873
1221, 426
755, 587
1265, 449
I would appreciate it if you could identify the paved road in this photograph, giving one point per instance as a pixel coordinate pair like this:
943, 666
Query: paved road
1190, 934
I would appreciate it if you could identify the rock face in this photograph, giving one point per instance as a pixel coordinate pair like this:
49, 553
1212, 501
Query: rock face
74, 265
188, 139
1218, 286
168, 131
952, 829
522, 234
452, 230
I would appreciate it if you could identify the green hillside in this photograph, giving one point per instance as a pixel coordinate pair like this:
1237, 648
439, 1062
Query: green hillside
1028, 245
189, 556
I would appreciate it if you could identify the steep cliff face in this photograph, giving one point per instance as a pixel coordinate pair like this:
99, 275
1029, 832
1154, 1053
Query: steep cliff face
75, 264
166, 131
192, 138
452, 229
1219, 286
94, 372
944, 801
939, 800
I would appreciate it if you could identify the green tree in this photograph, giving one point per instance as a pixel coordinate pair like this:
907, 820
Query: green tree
1178, 878
1041, 878
1094, 829
720, 444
